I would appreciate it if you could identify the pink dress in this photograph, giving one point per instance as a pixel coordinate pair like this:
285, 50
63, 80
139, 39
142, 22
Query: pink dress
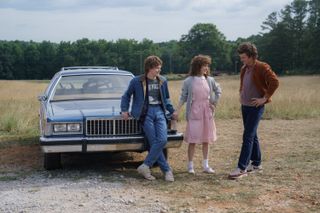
201, 127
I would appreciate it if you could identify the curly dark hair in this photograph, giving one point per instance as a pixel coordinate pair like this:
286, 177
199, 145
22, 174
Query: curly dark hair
249, 49
197, 62
151, 62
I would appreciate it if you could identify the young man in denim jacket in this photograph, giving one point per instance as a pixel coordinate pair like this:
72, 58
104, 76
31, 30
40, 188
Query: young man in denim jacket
150, 105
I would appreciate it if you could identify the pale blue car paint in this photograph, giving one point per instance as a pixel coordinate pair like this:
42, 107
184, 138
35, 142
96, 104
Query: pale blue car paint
77, 111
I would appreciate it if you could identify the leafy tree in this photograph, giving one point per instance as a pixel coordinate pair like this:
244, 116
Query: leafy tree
289, 42
206, 39
6, 61
65, 56
170, 54
283, 44
47, 65
312, 44
31, 58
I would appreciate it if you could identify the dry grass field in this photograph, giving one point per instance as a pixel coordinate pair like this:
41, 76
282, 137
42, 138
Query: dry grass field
297, 97
289, 134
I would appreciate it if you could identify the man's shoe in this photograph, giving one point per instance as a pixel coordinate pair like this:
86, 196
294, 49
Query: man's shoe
252, 168
237, 173
145, 171
168, 176
208, 170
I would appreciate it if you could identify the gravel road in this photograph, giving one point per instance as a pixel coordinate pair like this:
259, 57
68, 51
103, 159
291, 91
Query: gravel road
44, 192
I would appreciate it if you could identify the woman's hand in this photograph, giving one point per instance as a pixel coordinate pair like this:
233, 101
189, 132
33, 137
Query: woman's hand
212, 107
175, 115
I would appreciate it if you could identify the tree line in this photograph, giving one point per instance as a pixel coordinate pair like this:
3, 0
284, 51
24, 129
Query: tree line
289, 42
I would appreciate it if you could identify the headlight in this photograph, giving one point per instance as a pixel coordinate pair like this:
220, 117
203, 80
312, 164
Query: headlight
60, 127
66, 127
73, 127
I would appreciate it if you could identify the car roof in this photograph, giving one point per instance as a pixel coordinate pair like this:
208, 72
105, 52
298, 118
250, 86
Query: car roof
80, 70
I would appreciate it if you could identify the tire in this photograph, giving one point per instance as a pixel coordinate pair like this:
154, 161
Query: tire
52, 161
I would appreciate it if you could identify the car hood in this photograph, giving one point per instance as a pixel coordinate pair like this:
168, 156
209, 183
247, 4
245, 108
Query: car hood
79, 109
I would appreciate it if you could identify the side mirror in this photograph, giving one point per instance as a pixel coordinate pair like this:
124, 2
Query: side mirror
42, 98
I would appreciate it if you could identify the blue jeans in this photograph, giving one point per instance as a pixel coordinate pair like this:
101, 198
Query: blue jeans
155, 129
250, 149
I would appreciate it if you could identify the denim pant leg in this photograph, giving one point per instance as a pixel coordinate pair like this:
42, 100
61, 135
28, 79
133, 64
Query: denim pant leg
155, 129
251, 117
256, 153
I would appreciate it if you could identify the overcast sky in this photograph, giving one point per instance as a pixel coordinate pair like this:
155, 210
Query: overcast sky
161, 20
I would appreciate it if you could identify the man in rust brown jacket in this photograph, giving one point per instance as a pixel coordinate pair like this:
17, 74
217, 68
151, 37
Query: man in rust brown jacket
257, 84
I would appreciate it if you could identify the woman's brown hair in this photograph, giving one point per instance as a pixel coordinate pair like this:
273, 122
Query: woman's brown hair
197, 62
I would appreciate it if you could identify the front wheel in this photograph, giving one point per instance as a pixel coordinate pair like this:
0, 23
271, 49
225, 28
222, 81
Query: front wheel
52, 161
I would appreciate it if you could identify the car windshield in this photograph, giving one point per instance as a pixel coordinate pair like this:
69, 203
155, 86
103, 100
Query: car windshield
90, 87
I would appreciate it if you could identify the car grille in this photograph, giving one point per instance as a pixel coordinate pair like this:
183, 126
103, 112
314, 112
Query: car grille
112, 127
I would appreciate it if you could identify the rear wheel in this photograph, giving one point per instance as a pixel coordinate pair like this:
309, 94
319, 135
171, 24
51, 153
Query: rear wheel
52, 161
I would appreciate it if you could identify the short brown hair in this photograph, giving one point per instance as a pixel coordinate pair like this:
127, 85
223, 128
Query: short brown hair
151, 62
197, 62
249, 49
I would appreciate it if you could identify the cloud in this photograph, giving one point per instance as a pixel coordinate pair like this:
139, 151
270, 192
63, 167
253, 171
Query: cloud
69, 20
234, 6
37, 5
216, 6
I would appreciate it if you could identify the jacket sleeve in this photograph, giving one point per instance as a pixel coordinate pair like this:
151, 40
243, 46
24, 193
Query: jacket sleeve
166, 97
184, 93
217, 91
271, 80
126, 97
241, 78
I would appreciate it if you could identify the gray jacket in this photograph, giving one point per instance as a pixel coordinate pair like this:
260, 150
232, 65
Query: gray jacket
186, 92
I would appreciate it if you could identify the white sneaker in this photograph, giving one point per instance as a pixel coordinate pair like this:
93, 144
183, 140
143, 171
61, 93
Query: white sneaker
168, 176
145, 171
191, 171
238, 173
252, 168
208, 170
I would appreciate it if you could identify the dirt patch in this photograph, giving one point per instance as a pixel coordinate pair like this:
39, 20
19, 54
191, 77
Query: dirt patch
288, 183
17, 157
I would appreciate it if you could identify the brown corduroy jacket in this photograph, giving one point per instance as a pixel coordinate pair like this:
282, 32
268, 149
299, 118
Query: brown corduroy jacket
264, 79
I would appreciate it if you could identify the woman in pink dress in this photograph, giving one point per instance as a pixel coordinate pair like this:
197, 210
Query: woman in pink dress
201, 93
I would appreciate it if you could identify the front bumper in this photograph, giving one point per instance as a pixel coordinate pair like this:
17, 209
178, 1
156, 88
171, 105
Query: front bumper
102, 144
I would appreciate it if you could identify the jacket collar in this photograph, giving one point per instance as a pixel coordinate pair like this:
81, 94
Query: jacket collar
254, 66
160, 78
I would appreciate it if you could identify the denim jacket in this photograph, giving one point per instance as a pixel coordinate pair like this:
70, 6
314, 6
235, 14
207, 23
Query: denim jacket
138, 89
